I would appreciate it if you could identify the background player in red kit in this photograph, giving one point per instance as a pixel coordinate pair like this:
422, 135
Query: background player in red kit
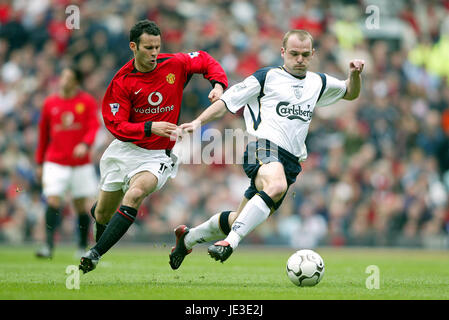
141, 108
67, 128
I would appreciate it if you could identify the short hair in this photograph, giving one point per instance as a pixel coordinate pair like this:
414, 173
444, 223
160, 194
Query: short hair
143, 26
301, 34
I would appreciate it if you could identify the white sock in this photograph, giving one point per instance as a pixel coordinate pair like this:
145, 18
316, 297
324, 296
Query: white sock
253, 214
207, 231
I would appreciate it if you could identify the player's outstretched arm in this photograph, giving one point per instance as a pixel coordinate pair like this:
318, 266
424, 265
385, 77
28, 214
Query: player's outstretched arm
214, 112
354, 81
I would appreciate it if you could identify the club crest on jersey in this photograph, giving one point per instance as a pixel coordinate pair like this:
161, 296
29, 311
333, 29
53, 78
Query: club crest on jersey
80, 107
294, 111
297, 90
114, 107
170, 78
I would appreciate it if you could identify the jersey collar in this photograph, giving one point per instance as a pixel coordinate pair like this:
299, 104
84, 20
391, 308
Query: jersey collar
137, 71
297, 77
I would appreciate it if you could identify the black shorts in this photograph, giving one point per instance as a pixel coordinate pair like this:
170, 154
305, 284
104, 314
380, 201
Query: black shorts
262, 152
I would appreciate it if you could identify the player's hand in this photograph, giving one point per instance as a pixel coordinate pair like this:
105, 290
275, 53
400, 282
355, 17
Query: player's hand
190, 126
356, 66
164, 129
215, 93
80, 150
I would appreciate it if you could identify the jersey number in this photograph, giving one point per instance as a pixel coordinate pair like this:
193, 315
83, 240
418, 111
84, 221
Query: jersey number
162, 168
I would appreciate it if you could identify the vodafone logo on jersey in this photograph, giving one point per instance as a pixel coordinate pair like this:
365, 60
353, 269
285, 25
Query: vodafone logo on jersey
158, 109
154, 99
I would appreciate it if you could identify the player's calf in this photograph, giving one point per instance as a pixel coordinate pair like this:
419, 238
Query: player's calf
92, 210
116, 228
253, 214
99, 228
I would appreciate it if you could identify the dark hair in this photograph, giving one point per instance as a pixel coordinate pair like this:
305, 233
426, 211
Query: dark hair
79, 76
143, 26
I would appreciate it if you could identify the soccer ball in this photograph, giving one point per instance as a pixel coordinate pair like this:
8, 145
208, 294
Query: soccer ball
305, 268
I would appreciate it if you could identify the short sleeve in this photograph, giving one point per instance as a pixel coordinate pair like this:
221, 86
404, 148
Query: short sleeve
241, 93
334, 90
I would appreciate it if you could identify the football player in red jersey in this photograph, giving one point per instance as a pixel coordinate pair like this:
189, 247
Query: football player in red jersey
141, 109
67, 129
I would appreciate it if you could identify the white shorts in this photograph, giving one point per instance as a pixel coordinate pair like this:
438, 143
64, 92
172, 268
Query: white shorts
122, 160
80, 181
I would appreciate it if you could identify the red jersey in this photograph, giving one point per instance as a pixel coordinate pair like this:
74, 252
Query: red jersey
63, 124
134, 97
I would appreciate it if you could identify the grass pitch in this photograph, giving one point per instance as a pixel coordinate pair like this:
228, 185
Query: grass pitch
143, 272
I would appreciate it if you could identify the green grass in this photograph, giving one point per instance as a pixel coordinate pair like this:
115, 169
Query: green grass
251, 273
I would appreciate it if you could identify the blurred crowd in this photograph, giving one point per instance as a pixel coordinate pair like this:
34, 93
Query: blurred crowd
378, 167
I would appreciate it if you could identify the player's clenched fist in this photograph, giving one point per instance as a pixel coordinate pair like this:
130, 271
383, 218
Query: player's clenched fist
356, 65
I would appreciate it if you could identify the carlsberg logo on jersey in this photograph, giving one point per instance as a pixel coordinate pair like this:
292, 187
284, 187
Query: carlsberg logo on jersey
294, 111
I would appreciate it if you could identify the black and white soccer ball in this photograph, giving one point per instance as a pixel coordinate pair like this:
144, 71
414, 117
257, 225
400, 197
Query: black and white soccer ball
305, 268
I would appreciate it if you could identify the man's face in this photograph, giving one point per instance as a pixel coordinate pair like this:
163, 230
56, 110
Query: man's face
67, 81
297, 55
147, 51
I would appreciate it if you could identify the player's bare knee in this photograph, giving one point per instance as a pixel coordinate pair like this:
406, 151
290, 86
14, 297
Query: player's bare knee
134, 197
276, 189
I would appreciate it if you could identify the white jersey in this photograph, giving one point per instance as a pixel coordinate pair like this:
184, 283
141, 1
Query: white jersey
279, 106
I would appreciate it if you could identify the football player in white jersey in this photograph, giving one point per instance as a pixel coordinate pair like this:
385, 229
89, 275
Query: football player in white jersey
279, 104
